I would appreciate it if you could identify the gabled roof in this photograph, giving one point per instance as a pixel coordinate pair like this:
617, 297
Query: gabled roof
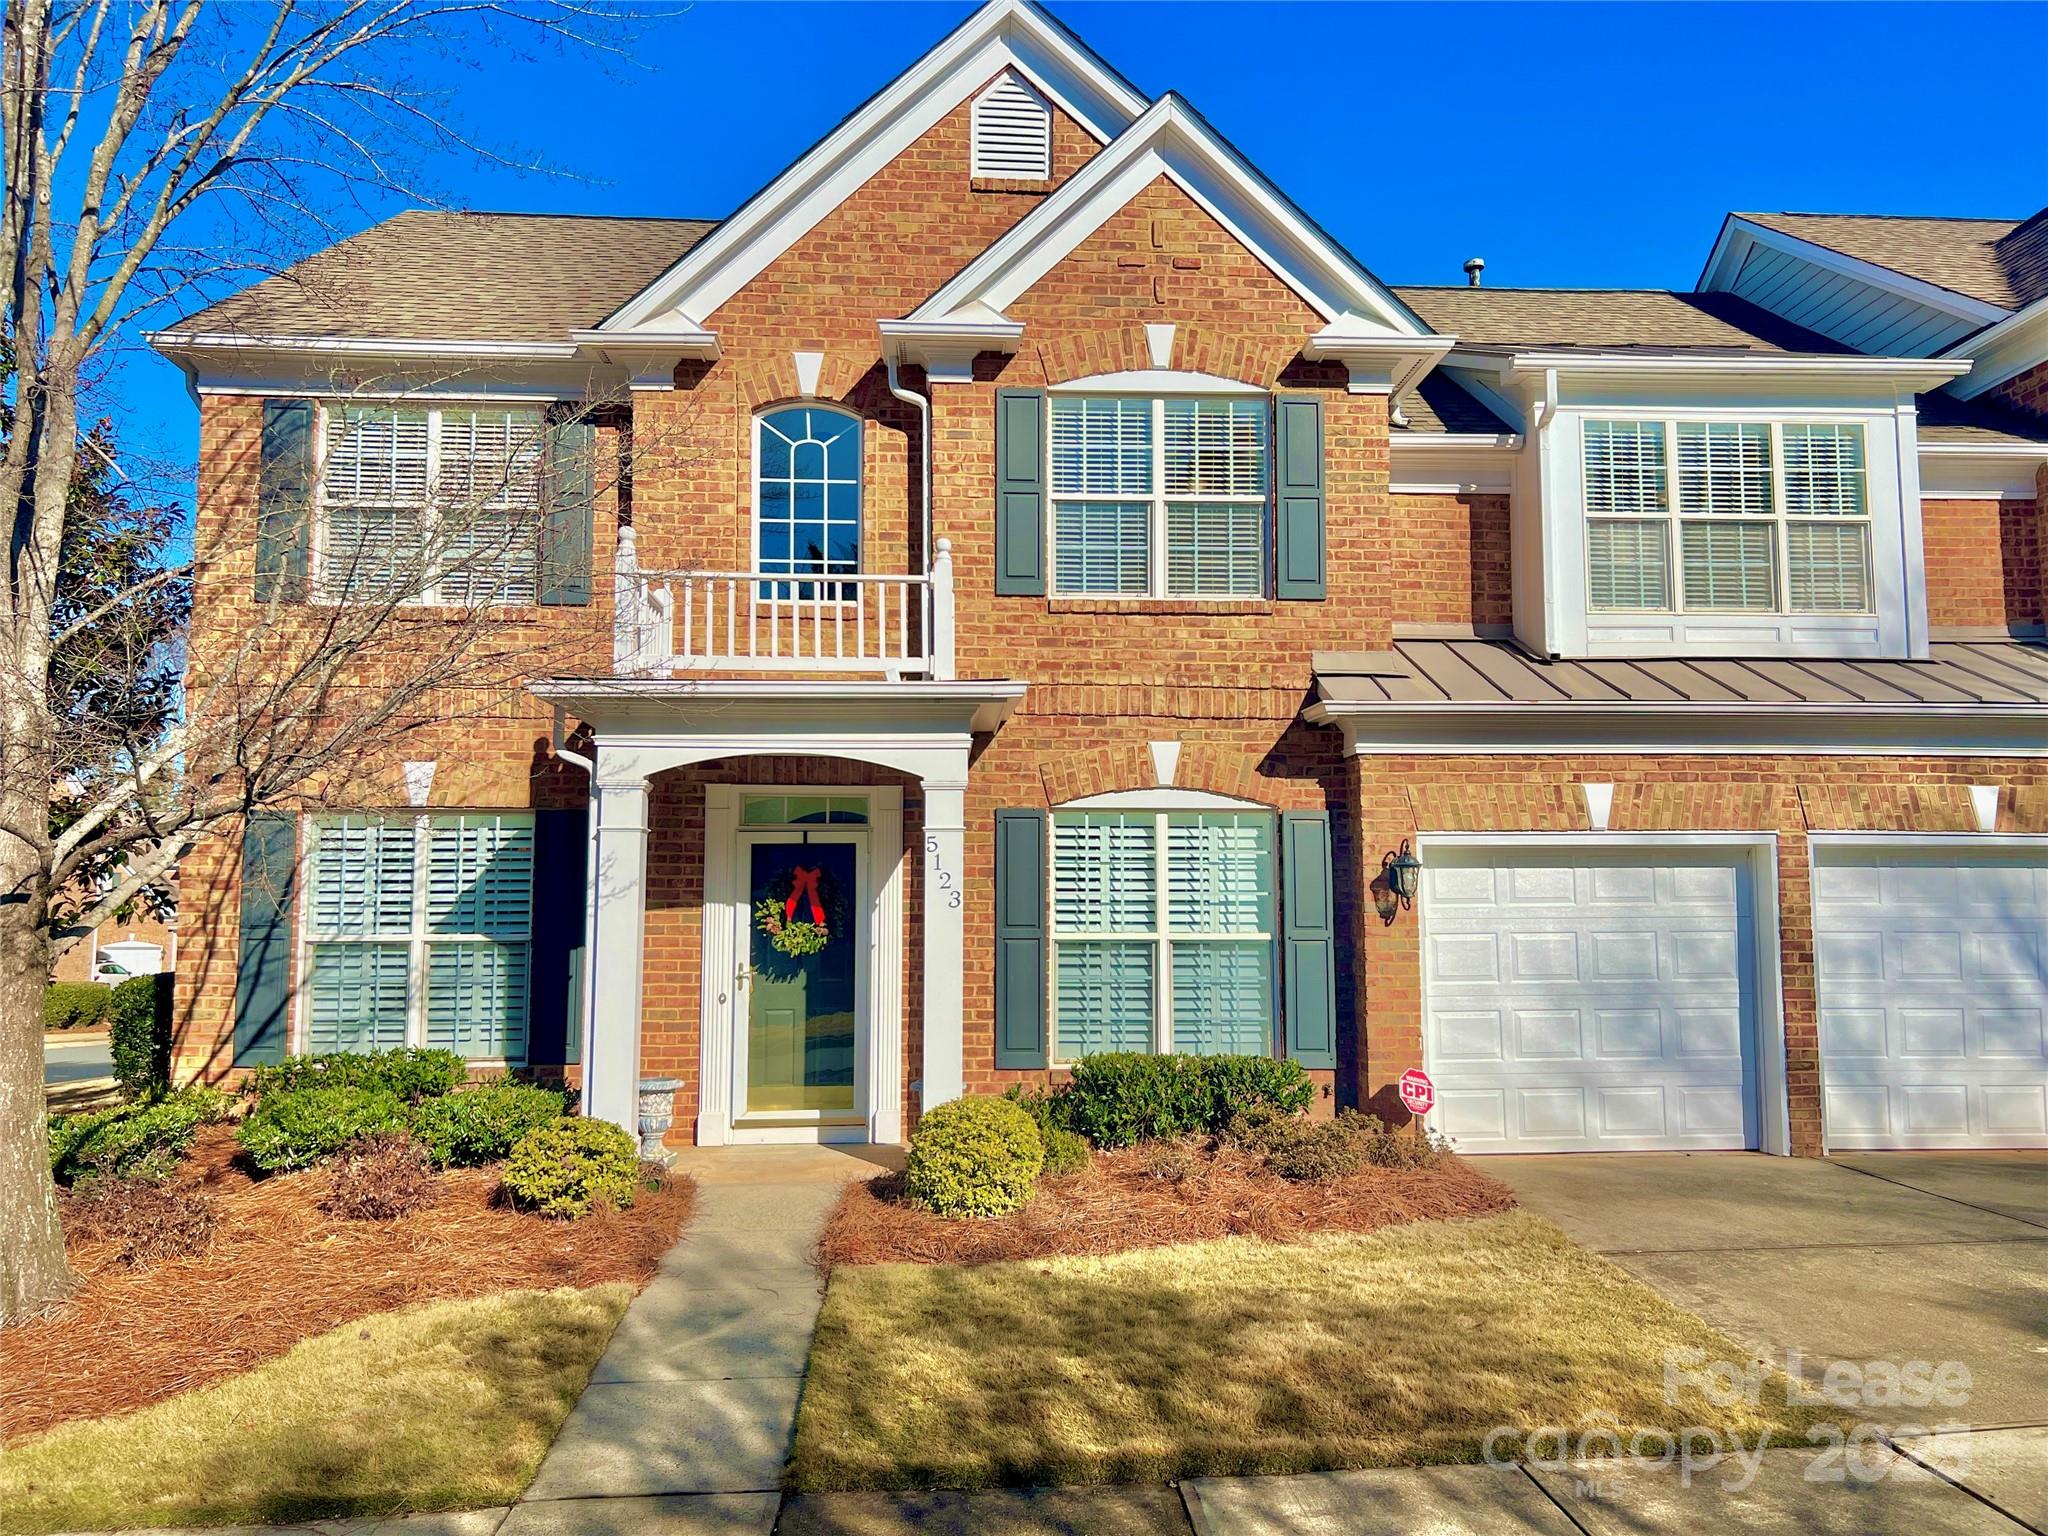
1996, 261
1003, 34
1173, 140
1609, 319
426, 275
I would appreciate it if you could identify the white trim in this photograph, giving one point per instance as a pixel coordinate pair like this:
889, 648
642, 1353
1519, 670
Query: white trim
1917, 373
1163, 798
1990, 842
1774, 1111
170, 343
1731, 250
1451, 464
1980, 471
1171, 140
1005, 34
2005, 351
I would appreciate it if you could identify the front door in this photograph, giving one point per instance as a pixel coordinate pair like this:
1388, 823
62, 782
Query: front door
805, 920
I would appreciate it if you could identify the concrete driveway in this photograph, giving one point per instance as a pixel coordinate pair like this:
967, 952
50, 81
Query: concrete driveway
1890, 1256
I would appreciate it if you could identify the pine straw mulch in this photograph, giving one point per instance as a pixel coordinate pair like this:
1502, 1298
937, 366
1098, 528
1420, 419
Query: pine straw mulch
1116, 1204
280, 1270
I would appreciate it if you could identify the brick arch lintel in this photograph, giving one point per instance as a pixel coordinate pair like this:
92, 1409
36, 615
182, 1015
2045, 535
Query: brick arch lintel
1246, 356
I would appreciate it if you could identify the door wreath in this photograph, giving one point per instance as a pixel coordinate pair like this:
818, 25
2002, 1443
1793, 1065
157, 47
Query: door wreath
802, 909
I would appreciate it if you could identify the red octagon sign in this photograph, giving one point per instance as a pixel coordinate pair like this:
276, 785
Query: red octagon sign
1418, 1093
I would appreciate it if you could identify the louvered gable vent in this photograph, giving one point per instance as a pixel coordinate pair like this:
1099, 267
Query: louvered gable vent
1012, 132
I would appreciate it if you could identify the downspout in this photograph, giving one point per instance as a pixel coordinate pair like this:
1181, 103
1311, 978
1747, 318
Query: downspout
924, 436
586, 984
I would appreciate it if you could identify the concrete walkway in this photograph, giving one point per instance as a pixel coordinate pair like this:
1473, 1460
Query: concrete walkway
689, 1416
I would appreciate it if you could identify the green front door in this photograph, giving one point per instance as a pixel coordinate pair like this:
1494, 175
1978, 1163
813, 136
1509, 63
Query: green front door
801, 1009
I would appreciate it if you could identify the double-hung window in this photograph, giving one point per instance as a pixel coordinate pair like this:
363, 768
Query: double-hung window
1159, 497
419, 932
1726, 517
1163, 932
429, 503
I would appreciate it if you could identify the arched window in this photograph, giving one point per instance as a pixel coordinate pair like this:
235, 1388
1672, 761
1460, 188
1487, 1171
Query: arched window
806, 497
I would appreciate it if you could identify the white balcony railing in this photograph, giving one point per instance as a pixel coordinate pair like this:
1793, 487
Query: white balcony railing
755, 621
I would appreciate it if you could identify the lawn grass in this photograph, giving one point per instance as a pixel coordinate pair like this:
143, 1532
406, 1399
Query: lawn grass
1238, 1356
447, 1405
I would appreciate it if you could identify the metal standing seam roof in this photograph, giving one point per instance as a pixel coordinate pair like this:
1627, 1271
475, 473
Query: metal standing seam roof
1991, 672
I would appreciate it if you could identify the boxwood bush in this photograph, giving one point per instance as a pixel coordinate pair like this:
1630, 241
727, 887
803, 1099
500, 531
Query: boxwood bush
481, 1124
131, 1141
140, 1020
978, 1156
570, 1166
406, 1072
297, 1130
75, 1004
1118, 1099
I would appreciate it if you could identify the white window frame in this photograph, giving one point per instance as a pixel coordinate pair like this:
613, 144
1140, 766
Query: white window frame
840, 594
1674, 517
418, 936
429, 513
1160, 936
1157, 499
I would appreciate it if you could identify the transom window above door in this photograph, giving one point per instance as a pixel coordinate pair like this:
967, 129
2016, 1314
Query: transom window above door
1159, 496
1768, 517
807, 494
1163, 932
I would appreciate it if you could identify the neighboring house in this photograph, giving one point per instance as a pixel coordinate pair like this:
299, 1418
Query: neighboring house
1185, 581
118, 949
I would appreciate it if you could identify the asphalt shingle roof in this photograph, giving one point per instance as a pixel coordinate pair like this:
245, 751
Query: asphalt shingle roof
2001, 261
1608, 319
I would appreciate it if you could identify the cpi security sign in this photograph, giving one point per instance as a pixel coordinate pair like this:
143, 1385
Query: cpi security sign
1418, 1093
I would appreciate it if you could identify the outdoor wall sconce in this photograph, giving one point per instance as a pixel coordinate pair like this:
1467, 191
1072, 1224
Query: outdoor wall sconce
1400, 878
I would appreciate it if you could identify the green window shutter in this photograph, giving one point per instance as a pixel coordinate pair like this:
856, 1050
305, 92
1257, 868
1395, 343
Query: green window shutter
561, 851
263, 962
284, 500
1020, 492
1309, 936
1301, 566
1020, 938
570, 485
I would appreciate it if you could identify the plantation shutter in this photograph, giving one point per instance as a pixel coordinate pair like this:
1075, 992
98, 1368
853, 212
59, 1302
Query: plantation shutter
284, 500
1020, 492
1309, 929
1020, 938
357, 996
1300, 556
263, 961
561, 848
361, 891
570, 486
480, 886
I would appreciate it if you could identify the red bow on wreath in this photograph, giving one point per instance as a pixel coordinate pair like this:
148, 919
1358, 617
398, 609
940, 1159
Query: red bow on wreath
804, 883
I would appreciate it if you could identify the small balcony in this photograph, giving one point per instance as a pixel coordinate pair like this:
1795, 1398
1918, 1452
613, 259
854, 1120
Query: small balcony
765, 621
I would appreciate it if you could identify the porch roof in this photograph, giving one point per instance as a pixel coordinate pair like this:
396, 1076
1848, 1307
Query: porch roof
666, 709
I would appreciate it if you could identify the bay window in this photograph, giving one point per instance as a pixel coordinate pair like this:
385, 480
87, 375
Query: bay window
418, 931
429, 503
1726, 517
1159, 497
1162, 932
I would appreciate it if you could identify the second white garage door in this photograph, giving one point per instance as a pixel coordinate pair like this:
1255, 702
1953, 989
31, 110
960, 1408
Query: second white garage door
1578, 1002
1933, 978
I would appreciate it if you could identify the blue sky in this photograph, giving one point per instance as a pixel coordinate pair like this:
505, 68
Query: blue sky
1575, 145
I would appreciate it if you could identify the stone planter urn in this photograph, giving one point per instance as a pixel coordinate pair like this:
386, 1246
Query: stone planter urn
657, 1112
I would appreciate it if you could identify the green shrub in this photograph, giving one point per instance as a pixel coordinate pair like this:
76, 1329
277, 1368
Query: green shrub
131, 1141
140, 1016
1065, 1151
75, 1004
1118, 1099
297, 1130
572, 1165
481, 1124
976, 1156
1385, 1147
406, 1072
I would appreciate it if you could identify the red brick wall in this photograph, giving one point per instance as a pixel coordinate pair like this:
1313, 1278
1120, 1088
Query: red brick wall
2028, 391
1446, 560
1395, 797
76, 963
1984, 563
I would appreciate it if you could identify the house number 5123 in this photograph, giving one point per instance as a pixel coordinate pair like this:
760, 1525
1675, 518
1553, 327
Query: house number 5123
942, 877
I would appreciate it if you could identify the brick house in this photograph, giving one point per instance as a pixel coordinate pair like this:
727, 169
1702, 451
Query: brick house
1084, 592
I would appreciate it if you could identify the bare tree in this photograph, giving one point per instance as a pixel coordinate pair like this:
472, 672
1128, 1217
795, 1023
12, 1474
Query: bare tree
155, 150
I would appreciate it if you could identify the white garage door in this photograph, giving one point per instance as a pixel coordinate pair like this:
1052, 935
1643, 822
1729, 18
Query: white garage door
1581, 1003
1933, 989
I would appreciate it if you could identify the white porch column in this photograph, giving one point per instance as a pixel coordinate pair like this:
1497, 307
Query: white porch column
611, 1067
945, 828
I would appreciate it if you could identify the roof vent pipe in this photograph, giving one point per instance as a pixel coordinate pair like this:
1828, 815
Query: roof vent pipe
1473, 268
